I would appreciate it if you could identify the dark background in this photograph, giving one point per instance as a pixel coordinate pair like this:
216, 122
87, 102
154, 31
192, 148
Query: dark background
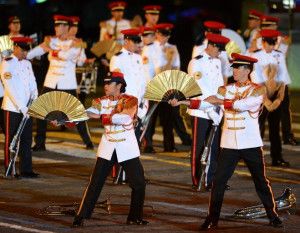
187, 15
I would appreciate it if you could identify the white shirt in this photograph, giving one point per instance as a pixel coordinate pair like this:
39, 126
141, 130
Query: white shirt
108, 27
153, 60
276, 58
119, 135
208, 75
226, 68
280, 45
171, 56
61, 73
19, 84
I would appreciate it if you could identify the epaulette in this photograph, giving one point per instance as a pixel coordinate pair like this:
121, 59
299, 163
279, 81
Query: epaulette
222, 91
47, 39
149, 44
257, 50
259, 90
96, 103
118, 53
198, 57
103, 24
278, 50
78, 43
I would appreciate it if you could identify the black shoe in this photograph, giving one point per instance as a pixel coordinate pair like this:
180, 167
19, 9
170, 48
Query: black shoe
227, 187
37, 147
290, 141
208, 224
280, 163
78, 221
89, 146
29, 175
276, 222
137, 222
149, 149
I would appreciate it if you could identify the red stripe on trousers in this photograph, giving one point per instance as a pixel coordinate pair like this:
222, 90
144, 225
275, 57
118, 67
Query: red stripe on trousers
6, 153
193, 160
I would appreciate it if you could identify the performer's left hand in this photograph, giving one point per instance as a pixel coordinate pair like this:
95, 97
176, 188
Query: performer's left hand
214, 100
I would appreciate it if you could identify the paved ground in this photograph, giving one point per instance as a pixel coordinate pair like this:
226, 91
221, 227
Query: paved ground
171, 204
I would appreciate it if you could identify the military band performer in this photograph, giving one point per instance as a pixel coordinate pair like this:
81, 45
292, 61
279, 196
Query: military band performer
19, 87
240, 139
117, 112
271, 71
206, 68
152, 15
61, 75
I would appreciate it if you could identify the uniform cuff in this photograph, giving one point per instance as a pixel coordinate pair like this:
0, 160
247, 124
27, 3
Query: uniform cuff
228, 104
55, 53
194, 104
106, 119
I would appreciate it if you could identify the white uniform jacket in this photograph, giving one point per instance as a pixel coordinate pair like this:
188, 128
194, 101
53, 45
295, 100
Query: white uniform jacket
153, 60
208, 75
61, 73
226, 68
119, 133
171, 57
19, 84
242, 105
111, 27
280, 45
264, 59
130, 64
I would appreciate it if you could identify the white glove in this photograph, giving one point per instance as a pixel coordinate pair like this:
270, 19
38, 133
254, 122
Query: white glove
214, 116
24, 110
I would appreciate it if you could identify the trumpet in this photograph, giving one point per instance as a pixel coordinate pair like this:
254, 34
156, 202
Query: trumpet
284, 202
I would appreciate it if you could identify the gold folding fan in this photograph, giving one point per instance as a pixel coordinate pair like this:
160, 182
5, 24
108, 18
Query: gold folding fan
6, 46
172, 84
58, 105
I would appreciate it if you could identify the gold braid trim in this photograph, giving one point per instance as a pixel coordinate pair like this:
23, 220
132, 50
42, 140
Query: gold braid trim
96, 103
258, 91
222, 91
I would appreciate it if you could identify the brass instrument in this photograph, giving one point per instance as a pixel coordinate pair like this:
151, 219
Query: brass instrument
285, 202
71, 209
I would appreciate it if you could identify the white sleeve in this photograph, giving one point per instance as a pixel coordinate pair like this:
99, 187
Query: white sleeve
10, 87
93, 110
283, 74
33, 85
177, 59
115, 64
82, 58
35, 52
249, 103
70, 54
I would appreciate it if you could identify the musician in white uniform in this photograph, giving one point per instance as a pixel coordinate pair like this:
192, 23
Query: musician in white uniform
63, 55
253, 27
151, 15
241, 103
207, 71
268, 60
111, 29
19, 87
216, 28
117, 112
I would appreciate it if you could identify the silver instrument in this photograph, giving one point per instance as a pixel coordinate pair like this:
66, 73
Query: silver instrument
286, 201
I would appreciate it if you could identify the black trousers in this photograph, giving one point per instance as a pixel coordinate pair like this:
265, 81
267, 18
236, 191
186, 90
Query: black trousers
135, 175
150, 131
285, 116
180, 127
274, 131
40, 138
2, 117
253, 158
12, 122
201, 129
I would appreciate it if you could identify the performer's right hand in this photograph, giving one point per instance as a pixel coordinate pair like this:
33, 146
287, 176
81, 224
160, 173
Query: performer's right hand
174, 102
